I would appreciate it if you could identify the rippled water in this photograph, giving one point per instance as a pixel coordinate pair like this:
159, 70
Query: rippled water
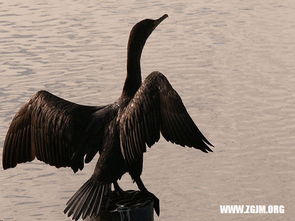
231, 61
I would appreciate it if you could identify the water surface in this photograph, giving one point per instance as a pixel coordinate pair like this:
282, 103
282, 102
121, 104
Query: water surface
232, 62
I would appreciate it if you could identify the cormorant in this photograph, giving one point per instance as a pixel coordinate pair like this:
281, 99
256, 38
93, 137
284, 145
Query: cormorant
64, 134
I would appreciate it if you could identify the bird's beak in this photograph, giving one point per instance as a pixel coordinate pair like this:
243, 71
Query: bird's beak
159, 20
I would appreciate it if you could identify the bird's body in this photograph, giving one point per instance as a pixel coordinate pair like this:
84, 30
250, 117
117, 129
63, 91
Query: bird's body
65, 134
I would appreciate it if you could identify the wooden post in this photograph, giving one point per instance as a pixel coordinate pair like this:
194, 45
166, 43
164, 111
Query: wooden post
128, 206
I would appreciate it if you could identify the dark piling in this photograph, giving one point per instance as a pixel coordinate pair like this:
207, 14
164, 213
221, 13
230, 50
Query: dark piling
128, 206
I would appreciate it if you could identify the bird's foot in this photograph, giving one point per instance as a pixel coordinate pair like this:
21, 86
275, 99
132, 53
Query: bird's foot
118, 190
145, 191
156, 201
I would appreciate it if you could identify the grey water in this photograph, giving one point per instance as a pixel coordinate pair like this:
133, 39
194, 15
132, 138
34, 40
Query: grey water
231, 61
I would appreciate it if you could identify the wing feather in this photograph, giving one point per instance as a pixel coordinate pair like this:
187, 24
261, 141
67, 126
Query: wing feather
53, 130
156, 107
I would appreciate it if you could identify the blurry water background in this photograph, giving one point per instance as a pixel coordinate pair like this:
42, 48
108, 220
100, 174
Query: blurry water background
231, 61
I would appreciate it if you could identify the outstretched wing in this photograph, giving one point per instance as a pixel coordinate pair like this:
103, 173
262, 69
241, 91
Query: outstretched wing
156, 107
54, 130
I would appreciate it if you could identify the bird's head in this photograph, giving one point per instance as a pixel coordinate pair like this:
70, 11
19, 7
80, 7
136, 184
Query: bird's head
142, 30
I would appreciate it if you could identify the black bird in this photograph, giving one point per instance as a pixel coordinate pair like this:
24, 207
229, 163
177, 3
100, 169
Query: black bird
65, 134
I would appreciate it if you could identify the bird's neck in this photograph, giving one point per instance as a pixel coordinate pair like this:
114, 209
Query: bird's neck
133, 79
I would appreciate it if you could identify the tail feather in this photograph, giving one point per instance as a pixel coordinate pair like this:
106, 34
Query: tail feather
88, 200
89, 209
82, 203
73, 200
